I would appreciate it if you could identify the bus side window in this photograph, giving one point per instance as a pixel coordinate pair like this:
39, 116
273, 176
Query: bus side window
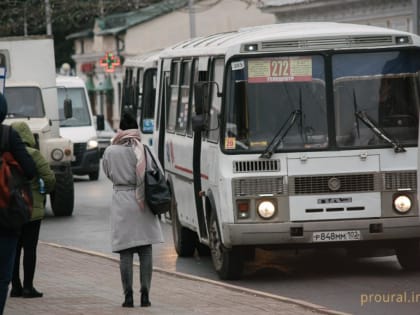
163, 100
173, 94
182, 111
148, 101
138, 91
194, 79
216, 101
126, 89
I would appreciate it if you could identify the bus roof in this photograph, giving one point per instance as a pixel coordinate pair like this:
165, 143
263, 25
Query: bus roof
145, 60
293, 37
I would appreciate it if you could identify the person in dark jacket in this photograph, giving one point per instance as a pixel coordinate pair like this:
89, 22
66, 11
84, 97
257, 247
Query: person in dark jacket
9, 238
29, 236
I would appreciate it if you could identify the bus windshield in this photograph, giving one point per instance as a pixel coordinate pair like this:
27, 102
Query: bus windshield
384, 86
279, 103
24, 102
81, 116
265, 92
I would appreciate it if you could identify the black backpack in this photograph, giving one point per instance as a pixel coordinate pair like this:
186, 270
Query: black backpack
15, 189
157, 191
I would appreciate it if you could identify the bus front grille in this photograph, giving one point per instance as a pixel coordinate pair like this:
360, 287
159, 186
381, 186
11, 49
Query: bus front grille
258, 186
401, 180
333, 184
256, 166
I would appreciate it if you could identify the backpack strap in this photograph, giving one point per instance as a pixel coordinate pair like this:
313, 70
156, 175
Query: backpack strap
4, 139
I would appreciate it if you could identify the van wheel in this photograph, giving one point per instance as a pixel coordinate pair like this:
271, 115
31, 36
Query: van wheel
62, 198
184, 239
408, 254
227, 262
94, 175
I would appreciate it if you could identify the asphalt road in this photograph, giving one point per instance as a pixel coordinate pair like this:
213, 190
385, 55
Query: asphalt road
326, 277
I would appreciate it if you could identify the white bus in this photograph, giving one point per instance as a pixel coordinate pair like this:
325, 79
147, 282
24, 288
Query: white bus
291, 136
139, 91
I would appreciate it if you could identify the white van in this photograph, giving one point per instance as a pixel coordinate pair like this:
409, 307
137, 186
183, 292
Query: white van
32, 97
80, 128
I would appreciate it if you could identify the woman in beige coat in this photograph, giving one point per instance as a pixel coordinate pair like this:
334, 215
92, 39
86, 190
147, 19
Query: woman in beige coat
134, 228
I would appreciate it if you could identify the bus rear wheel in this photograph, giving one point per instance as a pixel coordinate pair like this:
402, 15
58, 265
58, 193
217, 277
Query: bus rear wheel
408, 254
185, 240
227, 262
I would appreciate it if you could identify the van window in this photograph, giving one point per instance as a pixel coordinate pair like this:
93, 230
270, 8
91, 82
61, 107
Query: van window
81, 116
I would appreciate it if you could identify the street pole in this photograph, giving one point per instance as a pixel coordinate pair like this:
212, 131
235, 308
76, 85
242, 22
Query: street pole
25, 22
48, 17
192, 17
416, 13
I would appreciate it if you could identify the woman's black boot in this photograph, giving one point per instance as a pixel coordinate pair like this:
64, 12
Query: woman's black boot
128, 302
145, 302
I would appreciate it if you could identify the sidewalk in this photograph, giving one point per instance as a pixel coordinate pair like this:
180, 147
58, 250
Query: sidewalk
76, 282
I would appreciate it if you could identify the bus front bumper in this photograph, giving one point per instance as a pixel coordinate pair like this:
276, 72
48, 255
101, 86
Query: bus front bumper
295, 233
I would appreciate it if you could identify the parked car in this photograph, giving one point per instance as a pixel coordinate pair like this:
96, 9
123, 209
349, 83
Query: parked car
104, 136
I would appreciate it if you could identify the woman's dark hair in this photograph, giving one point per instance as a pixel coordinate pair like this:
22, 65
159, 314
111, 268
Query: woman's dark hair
128, 121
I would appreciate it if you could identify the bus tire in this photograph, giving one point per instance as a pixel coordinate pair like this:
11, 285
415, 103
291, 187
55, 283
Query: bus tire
62, 198
227, 262
185, 240
408, 255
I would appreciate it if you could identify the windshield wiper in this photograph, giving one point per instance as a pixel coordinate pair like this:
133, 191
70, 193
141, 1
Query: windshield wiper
398, 148
268, 152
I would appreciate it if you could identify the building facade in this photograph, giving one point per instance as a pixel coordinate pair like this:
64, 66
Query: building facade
155, 27
396, 14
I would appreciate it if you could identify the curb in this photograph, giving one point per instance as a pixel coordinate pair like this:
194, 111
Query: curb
302, 303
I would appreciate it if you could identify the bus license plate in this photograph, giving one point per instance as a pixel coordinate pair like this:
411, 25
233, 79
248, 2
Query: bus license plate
336, 236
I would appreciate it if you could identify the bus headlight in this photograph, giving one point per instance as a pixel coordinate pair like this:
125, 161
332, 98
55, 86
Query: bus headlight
266, 209
402, 203
92, 144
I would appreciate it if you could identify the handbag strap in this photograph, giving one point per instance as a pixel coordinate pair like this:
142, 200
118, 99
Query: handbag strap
149, 155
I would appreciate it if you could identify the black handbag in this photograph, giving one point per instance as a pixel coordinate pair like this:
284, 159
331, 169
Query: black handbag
157, 191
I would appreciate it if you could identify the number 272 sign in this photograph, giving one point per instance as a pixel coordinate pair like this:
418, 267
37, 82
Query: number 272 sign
266, 70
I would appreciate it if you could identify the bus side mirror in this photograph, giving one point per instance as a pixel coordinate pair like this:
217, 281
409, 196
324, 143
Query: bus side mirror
100, 122
68, 108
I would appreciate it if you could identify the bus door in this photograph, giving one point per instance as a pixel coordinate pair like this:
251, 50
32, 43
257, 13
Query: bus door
202, 73
161, 116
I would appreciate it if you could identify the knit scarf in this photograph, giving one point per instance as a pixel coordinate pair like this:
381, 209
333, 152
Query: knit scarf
131, 138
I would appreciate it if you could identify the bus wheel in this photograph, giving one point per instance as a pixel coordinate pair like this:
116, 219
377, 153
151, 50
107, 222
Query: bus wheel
185, 240
408, 254
227, 262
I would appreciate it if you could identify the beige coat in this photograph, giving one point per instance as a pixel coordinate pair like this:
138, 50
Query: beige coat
130, 225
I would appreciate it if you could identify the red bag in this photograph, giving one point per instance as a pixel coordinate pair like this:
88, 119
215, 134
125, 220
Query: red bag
15, 189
